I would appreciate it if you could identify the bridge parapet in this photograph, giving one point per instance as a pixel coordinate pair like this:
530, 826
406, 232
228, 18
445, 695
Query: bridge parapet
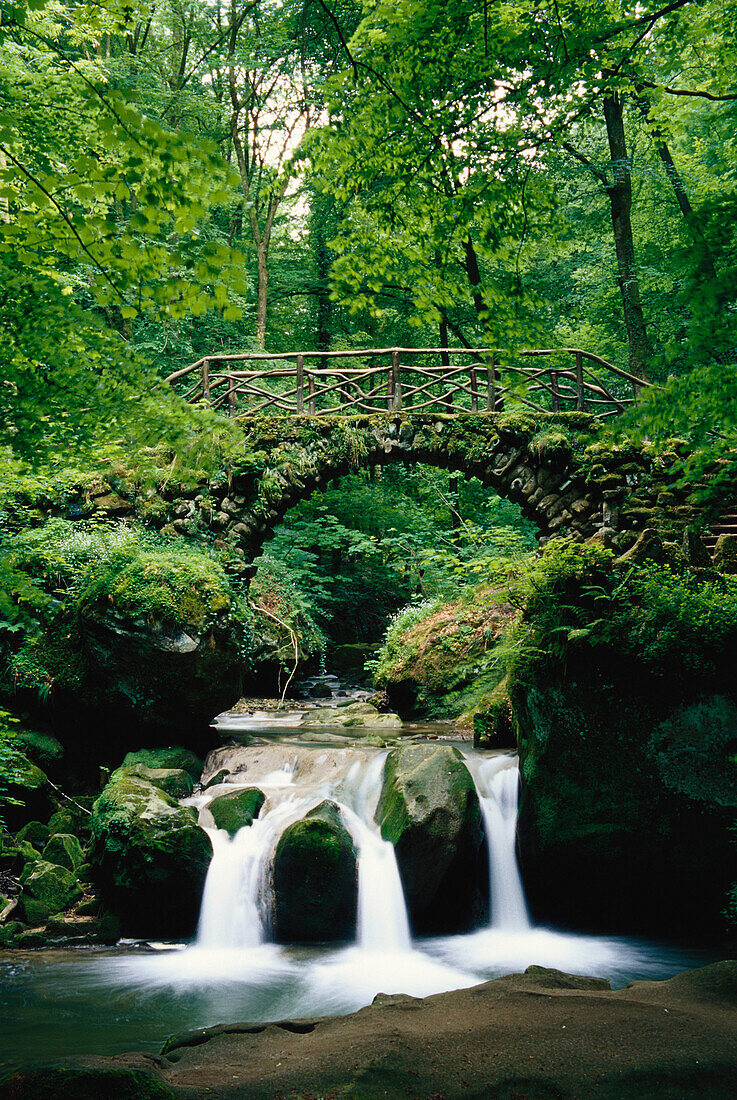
417, 380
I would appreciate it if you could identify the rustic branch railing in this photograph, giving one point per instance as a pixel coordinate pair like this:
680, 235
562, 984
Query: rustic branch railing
394, 379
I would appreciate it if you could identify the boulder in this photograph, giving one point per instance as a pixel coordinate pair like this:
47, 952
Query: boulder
64, 850
315, 877
151, 856
175, 782
648, 547
628, 793
354, 715
173, 757
47, 889
61, 822
236, 809
492, 723
725, 554
29, 787
35, 832
430, 812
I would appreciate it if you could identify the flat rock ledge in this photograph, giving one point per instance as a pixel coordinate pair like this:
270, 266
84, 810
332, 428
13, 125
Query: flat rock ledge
542, 1035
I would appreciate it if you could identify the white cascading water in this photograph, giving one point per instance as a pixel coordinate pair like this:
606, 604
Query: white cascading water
497, 785
232, 911
234, 972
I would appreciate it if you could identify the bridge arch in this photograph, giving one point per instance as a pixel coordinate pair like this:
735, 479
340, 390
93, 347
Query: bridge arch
529, 460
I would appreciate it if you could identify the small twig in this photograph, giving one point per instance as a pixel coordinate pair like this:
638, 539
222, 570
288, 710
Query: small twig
68, 799
295, 643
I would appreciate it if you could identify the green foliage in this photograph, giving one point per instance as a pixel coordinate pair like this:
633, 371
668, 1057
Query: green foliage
670, 623
11, 760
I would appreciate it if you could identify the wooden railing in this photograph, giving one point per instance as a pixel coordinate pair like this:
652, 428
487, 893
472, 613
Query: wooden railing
411, 379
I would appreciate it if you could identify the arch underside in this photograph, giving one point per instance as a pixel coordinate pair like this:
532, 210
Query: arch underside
548, 489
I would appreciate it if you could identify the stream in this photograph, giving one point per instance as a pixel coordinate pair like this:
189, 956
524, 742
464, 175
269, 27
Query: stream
56, 1003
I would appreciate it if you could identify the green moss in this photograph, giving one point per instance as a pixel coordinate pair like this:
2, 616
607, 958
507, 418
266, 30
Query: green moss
236, 809
315, 879
151, 858
174, 757
174, 781
64, 850
47, 889
61, 1082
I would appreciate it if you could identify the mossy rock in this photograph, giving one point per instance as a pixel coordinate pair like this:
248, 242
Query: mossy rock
492, 724
725, 554
83, 1083
626, 798
175, 782
152, 858
174, 757
9, 933
35, 832
695, 751
25, 852
315, 877
43, 749
64, 850
30, 788
430, 812
63, 821
354, 715
47, 889
236, 809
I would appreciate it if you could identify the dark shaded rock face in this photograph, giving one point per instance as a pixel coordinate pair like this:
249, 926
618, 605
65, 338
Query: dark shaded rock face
430, 812
315, 879
236, 809
151, 858
170, 680
628, 796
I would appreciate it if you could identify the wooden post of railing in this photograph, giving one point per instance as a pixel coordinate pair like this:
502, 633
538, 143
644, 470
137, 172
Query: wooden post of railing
206, 379
312, 406
300, 383
231, 395
580, 392
474, 390
396, 384
491, 386
554, 391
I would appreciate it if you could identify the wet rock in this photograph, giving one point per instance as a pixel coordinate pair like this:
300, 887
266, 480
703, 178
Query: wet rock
315, 879
430, 812
151, 857
47, 889
236, 809
354, 715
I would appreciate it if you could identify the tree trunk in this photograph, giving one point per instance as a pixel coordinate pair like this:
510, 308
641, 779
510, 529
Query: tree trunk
705, 259
321, 211
474, 277
263, 294
620, 198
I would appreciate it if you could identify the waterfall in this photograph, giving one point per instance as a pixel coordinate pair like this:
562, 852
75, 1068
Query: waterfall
233, 914
497, 785
229, 914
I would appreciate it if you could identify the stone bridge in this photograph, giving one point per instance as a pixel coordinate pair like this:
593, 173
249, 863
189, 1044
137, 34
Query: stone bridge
551, 465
